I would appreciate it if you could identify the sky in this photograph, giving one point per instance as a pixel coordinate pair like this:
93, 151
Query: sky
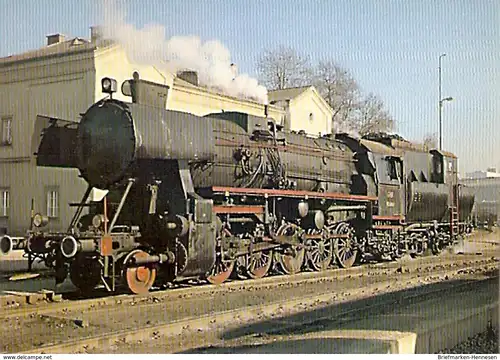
392, 49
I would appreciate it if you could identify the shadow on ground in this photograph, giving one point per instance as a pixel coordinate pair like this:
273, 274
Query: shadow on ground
353, 328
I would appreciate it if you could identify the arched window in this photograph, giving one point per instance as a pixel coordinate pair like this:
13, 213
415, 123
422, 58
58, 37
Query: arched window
311, 117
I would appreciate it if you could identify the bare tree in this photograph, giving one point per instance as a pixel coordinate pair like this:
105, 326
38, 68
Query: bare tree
431, 140
372, 117
340, 91
283, 68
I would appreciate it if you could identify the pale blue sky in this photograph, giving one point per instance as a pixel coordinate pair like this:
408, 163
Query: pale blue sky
391, 47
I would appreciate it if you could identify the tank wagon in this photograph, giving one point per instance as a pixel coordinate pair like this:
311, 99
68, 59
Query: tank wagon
231, 194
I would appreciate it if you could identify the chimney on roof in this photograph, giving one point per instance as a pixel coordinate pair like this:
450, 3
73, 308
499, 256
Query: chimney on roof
55, 39
95, 33
189, 76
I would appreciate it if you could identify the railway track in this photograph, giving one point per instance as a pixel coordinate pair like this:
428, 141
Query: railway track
227, 295
198, 327
103, 300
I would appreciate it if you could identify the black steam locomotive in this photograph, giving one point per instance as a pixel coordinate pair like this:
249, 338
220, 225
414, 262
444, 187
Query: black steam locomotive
231, 194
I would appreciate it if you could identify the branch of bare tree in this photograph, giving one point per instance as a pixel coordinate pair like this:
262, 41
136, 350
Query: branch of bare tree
431, 140
283, 68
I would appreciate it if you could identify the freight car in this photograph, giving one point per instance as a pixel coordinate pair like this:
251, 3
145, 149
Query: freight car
233, 194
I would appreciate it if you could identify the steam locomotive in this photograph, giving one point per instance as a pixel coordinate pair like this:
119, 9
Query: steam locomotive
231, 194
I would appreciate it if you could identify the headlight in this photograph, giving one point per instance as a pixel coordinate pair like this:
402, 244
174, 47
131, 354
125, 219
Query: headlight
97, 221
39, 220
108, 85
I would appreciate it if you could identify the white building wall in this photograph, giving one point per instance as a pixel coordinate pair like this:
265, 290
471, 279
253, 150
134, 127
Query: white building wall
113, 62
308, 114
60, 87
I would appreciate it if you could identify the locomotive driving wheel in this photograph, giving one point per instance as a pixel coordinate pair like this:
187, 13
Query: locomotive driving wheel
320, 253
85, 273
259, 263
291, 260
222, 269
416, 245
139, 279
436, 244
344, 248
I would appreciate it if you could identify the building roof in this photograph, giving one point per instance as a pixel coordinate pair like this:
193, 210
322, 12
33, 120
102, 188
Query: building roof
286, 94
186, 84
290, 94
73, 45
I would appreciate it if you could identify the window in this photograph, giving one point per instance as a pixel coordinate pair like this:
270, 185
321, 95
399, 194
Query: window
4, 202
52, 203
6, 131
392, 170
311, 117
437, 169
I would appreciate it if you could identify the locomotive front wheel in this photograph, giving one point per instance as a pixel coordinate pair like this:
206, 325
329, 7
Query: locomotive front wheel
344, 250
85, 273
139, 279
321, 254
259, 263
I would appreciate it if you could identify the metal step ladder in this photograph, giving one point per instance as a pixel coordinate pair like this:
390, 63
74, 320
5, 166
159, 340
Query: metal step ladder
454, 211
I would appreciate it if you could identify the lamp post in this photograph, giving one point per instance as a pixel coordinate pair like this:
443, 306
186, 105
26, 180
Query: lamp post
441, 106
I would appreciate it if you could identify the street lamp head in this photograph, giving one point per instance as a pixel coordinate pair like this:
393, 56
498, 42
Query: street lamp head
449, 98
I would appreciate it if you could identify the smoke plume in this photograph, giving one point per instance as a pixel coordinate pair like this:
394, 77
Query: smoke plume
343, 127
210, 59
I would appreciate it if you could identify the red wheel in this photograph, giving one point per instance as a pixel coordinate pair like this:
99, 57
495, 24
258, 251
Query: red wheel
259, 263
222, 269
291, 260
139, 279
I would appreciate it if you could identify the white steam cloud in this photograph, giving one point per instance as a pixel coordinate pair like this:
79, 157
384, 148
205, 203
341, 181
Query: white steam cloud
343, 127
210, 59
